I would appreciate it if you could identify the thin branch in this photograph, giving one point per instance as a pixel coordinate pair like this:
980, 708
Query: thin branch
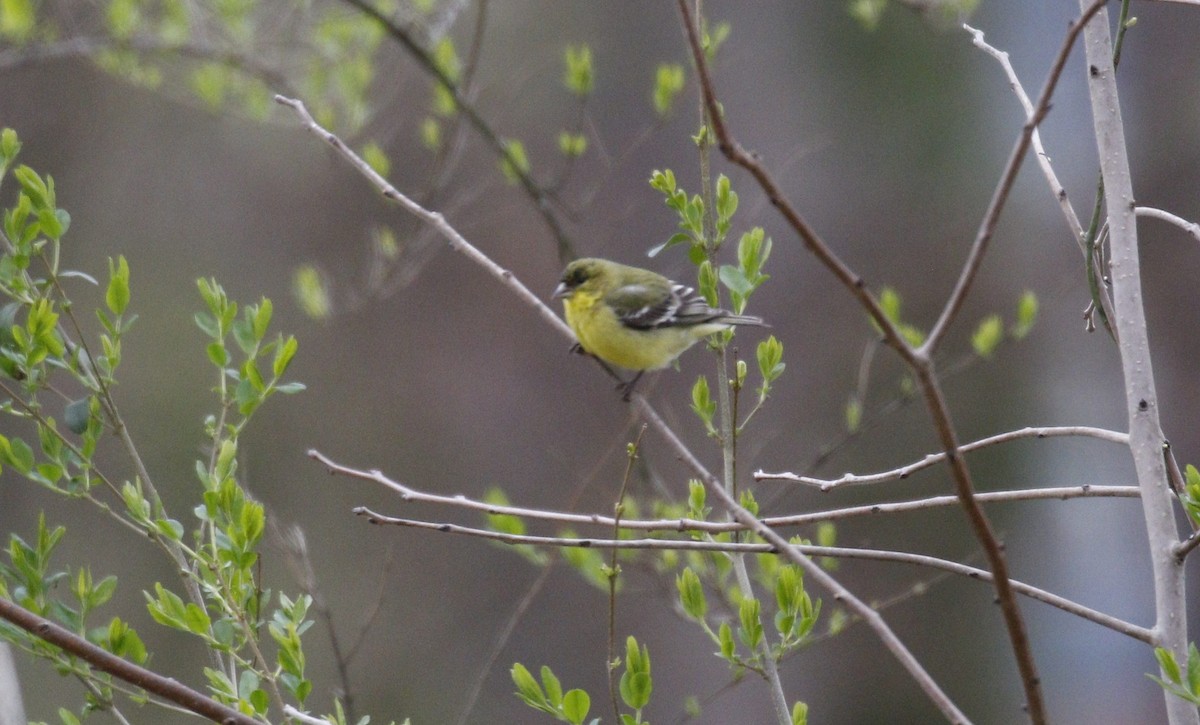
935, 458
836, 552
1014, 83
541, 199
410, 494
610, 662
152, 682
1185, 547
987, 227
501, 641
433, 218
1150, 212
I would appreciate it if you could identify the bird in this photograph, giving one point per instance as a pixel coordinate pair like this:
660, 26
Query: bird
635, 318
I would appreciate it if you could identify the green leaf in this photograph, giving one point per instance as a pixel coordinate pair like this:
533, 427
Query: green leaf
528, 688
578, 76
77, 414
1166, 662
515, 163
668, 84
10, 145
575, 706
552, 686
283, 356
1027, 310
751, 630
572, 145
988, 335
217, 354
853, 414
800, 714
703, 404
677, 238
691, 594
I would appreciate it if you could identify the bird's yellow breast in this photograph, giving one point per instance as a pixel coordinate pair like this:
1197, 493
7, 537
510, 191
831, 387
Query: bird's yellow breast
601, 333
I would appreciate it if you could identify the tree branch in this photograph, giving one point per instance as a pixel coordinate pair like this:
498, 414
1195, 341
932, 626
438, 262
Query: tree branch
935, 458
836, 552
1145, 430
103, 660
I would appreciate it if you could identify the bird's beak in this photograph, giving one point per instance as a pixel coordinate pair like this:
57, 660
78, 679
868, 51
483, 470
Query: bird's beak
561, 291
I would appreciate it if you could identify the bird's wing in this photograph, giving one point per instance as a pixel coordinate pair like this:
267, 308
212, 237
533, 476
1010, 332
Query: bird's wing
645, 307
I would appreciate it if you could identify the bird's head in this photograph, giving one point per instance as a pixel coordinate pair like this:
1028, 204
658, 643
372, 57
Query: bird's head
577, 274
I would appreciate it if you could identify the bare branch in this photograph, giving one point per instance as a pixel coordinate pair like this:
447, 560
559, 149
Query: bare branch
152, 682
935, 458
1043, 159
836, 552
433, 218
408, 493
1191, 228
987, 227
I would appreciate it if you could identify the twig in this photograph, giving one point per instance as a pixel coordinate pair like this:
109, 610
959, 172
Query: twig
1035, 139
502, 640
407, 493
122, 669
1150, 212
837, 552
433, 218
613, 571
541, 200
935, 458
987, 226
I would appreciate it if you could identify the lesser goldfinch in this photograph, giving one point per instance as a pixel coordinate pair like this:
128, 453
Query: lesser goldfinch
635, 318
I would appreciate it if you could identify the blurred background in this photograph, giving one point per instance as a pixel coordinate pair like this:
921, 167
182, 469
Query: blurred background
889, 140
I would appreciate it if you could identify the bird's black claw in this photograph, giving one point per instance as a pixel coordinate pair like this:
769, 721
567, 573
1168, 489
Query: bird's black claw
576, 349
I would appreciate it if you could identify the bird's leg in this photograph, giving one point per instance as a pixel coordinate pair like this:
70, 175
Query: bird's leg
628, 387
576, 349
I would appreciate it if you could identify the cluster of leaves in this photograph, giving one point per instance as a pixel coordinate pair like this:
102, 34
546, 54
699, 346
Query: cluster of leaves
45, 352
29, 579
1183, 683
1190, 497
740, 617
572, 706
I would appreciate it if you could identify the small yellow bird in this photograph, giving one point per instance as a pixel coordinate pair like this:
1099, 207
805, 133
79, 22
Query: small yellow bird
635, 318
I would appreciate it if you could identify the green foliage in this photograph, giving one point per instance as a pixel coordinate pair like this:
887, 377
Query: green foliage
668, 84
1027, 310
988, 336
219, 599
515, 162
578, 76
1190, 497
548, 696
889, 302
512, 525
1181, 682
311, 292
572, 145
636, 683
376, 158
703, 405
